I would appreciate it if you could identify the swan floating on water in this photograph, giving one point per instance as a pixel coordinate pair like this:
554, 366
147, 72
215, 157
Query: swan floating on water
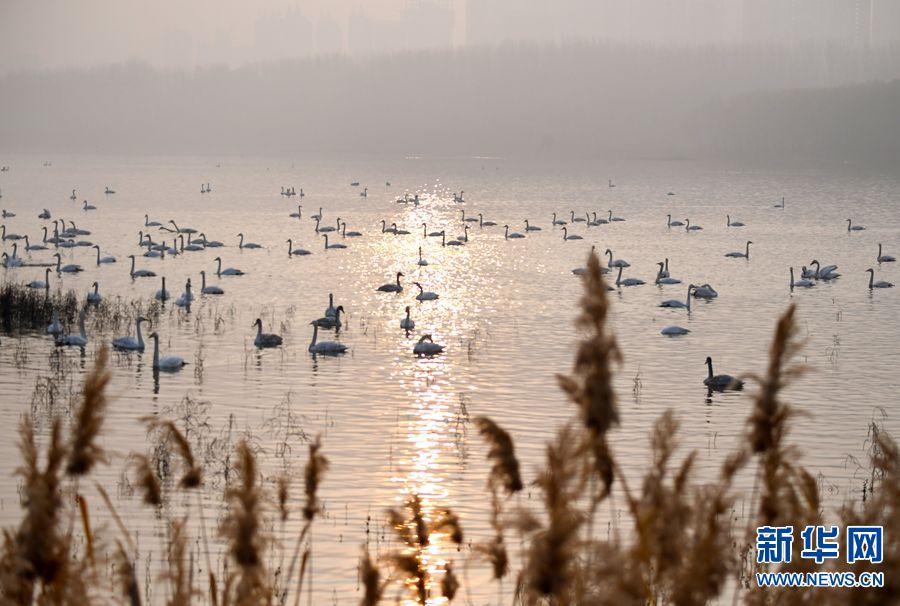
132, 343
333, 321
705, 291
425, 295
421, 261
529, 227
427, 347
662, 276
230, 271
331, 246
730, 223
627, 281
674, 331
689, 227
720, 382
483, 223
881, 258
265, 339
407, 323
566, 235
103, 259
89, 206
880, 283
851, 227
739, 254
162, 294
79, 340
243, 245
615, 262
296, 251
94, 297
140, 273
66, 269
511, 236
671, 223
55, 327
186, 297
802, 282
392, 286
675, 303
324, 347
331, 310
166, 363
208, 290
44, 284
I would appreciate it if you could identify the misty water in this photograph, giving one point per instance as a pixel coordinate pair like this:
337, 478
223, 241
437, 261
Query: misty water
394, 424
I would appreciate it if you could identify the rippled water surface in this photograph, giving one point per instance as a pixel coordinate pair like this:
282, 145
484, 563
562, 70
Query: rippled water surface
393, 423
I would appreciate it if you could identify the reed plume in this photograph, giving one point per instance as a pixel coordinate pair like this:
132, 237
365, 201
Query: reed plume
373, 587
147, 480
316, 467
84, 451
505, 469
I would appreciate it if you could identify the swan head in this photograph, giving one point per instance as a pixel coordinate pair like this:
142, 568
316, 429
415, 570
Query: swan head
154, 335
216, 259
407, 309
708, 360
400, 274
94, 285
97, 246
258, 322
870, 270
143, 319
339, 308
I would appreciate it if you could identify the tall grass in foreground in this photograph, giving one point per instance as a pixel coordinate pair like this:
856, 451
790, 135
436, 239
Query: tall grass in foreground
674, 540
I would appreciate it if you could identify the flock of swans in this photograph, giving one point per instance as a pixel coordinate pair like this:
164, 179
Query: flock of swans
175, 241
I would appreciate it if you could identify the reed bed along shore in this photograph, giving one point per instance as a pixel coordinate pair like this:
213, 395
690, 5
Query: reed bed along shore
675, 540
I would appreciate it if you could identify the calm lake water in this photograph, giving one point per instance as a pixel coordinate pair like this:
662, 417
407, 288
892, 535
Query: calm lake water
394, 424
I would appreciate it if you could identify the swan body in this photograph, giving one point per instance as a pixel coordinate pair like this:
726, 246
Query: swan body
575, 219
511, 236
135, 343
162, 294
467, 220
566, 235
529, 227
149, 223
109, 191
101, 260
422, 262
333, 321
95, 296
627, 281
407, 323
392, 286
44, 215
55, 327
878, 284
209, 243
425, 295
398, 232
674, 331
335, 245
89, 206
739, 254
140, 273
331, 310
730, 223
615, 262
801, 283
324, 347
250, 245
349, 234
184, 230
613, 219
66, 269
662, 276
166, 363
300, 252
79, 340
881, 258
229, 271
851, 227
705, 292
720, 382
675, 303
483, 223
186, 297
825, 273
8, 236
426, 233
298, 214
265, 339
45, 283
208, 290
690, 227
427, 347
327, 228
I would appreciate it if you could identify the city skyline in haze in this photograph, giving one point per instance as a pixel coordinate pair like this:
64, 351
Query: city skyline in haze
41, 34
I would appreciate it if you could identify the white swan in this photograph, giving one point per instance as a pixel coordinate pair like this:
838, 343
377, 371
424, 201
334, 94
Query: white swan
349, 234
149, 223
705, 291
317, 216
140, 273
675, 303
8, 236
109, 191
627, 281
298, 214
425, 295
511, 236
208, 290
780, 204
327, 228
335, 245
364, 193
391, 286
183, 230
739, 254
427, 347
483, 223
243, 244
132, 343
103, 259
162, 294
464, 219
331, 310
55, 327
613, 219
89, 206
191, 247
690, 227
73, 196
615, 262
566, 235
6, 213
531, 227
14, 260
45, 283
879, 284
600, 221
398, 232
720, 382
730, 223
324, 347
95, 296
230, 271
407, 323
79, 340
296, 251
825, 273
851, 227
209, 243
662, 276
44, 215
265, 339
186, 297
167, 363
674, 331
67, 269
801, 283
425, 232
575, 219
422, 261
881, 258
333, 321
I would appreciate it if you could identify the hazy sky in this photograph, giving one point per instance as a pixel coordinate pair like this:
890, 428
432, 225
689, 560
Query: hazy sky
187, 33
